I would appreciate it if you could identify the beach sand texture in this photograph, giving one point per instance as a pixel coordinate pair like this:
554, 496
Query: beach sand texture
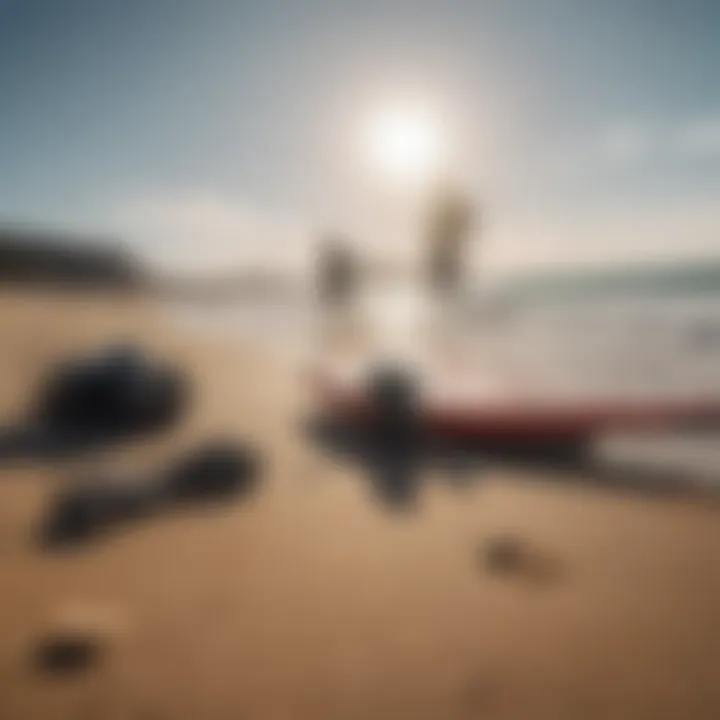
309, 600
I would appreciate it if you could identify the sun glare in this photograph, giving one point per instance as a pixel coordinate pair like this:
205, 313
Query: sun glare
404, 142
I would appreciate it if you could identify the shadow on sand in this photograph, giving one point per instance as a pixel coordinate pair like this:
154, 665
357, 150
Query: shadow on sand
40, 442
396, 469
214, 473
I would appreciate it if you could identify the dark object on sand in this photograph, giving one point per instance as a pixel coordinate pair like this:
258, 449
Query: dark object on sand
393, 392
393, 433
394, 397
503, 554
66, 653
511, 556
214, 471
117, 391
84, 511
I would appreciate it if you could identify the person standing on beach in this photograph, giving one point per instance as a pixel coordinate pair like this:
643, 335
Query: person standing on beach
446, 241
336, 278
336, 273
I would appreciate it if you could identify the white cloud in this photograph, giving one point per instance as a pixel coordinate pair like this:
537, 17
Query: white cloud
685, 228
202, 230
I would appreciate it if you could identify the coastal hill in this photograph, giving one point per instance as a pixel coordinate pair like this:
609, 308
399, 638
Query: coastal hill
29, 256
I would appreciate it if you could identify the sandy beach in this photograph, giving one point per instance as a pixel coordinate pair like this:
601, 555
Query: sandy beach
309, 600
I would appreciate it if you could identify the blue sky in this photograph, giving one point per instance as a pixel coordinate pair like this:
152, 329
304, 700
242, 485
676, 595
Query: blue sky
589, 129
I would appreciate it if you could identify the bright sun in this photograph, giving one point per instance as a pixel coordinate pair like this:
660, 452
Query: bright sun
404, 142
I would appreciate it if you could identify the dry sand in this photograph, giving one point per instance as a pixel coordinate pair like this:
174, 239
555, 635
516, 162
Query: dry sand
311, 601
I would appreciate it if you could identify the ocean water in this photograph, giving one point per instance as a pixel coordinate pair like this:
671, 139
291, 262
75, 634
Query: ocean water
636, 346
642, 346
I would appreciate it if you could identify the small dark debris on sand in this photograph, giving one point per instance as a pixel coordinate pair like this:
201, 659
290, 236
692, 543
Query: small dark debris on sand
509, 555
503, 554
67, 653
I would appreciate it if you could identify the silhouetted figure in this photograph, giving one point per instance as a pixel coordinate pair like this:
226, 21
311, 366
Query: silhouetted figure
337, 273
394, 437
447, 227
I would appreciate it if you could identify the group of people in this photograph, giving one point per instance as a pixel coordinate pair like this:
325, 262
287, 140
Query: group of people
338, 272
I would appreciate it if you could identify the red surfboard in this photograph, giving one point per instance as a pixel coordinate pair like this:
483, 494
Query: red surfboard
467, 390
